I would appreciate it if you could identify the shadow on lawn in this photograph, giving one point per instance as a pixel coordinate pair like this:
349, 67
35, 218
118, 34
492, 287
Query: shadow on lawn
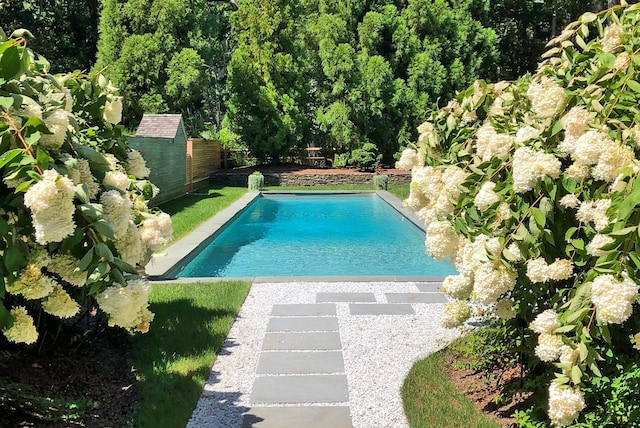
174, 358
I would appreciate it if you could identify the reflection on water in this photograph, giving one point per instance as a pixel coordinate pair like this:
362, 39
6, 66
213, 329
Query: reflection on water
317, 235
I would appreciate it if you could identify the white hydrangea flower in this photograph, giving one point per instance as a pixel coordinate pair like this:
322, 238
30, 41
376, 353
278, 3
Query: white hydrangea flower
66, 266
578, 171
117, 179
575, 123
32, 110
57, 123
486, 196
428, 134
156, 232
113, 110
136, 165
408, 160
565, 404
594, 247
549, 347
457, 286
613, 298
490, 144
570, 201
23, 329
569, 355
31, 283
611, 161
539, 271
442, 240
51, 203
612, 38
452, 178
117, 211
546, 322
515, 250
504, 309
525, 134
81, 174
60, 304
635, 340
130, 246
546, 96
454, 314
594, 212
622, 61
127, 306
489, 283
530, 166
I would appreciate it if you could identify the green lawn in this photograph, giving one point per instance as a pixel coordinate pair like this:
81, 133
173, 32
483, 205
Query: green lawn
173, 359
189, 211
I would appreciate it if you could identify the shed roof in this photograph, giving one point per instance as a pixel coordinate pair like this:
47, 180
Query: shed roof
160, 125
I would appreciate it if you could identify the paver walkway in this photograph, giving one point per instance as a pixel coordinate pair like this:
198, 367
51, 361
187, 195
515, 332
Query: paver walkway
321, 355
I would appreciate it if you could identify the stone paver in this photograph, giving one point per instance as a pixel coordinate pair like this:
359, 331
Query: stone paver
345, 297
416, 298
303, 324
300, 362
429, 287
300, 389
301, 310
321, 341
307, 417
381, 309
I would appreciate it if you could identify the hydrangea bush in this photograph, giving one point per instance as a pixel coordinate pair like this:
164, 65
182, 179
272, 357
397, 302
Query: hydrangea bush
532, 188
74, 219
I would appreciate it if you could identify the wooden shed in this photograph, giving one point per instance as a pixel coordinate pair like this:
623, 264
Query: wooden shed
162, 140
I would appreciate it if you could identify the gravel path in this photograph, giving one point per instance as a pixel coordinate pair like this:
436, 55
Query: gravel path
378, 351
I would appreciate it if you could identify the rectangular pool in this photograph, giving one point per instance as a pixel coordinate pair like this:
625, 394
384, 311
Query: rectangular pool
317, 235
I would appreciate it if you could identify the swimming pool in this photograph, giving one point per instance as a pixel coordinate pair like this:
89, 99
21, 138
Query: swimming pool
316, 235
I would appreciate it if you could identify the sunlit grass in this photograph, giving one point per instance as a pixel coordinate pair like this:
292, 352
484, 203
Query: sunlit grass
174, 358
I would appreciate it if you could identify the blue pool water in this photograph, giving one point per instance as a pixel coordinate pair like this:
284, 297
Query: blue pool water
317, 235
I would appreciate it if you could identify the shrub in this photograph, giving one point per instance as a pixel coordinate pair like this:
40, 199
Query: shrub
256, 181
380, 181
74, 220
366, 157
532, 188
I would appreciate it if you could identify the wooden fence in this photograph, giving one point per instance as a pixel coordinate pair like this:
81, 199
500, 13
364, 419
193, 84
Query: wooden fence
203, 157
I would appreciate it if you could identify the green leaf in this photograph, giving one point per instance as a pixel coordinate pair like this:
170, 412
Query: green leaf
624, 232
594, 368
103, 251
576, 375
10, 63
635, 86
96, 159
584, 352
577, 315
102, 227
86, 260
565, 328
588, 17
539, 217
578, 244
6, 320
6, 102
14, 259
9, 156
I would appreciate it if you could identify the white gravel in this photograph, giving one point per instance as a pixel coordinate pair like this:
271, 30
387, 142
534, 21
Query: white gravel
378, 351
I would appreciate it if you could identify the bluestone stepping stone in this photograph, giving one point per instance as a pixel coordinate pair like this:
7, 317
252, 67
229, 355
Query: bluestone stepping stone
303, 324
345, 297
416, 298
429, 287
321, 341
381, 309
300, 362
307, 417
301, 310
300, 389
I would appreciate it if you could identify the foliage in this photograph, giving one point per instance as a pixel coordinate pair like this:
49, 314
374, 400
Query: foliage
341, 160
166, 56
532, 187
365, 157
380, 181
74, 220
256, 181
67, 30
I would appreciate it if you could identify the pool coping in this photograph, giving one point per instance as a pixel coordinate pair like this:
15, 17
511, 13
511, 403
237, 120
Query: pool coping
164, 263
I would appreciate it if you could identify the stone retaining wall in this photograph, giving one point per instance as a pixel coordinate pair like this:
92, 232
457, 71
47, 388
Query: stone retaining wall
290, 179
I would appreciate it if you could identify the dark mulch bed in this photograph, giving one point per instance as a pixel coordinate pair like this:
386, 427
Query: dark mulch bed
94, 385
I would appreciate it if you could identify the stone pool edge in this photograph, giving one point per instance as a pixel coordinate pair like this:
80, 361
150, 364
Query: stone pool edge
164, 263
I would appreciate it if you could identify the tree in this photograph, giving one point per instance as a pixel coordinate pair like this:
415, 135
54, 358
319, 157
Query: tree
166, 56
66, 29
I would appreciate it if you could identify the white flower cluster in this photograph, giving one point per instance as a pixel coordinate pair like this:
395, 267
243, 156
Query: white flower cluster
81, 174
442, 240
530, 166
570, 201
66, 266
51, 203
454, 314
117, 211
490, 144
136, 165
504, 309
60, 304
539, 271
486, 196
526, 133
565, 404
549, 347
546, 96
127, 306
613, 298
409, 160
434, 191
545, 323
594, 212
490, 282
156, 231
612, 39
130, 246
575, 124
595, 246
57, 123
23, 329
428, 134
457, 286
31, 283
113, 110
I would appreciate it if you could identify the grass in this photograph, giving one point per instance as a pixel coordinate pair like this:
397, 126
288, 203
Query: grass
189, 211
174, 358
430, 399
